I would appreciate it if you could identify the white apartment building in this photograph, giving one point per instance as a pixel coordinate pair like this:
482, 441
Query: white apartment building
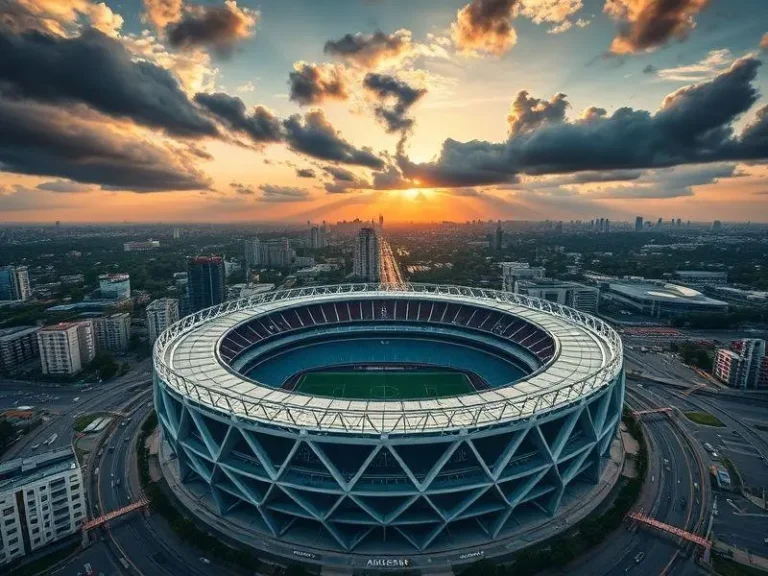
512, 271
161, 313
366, 263
113, 333
41, 501
66, 348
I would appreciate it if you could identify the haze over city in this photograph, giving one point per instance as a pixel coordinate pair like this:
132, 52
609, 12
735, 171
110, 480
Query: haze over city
218, 111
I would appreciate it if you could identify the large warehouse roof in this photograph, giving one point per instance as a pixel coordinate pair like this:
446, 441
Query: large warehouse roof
589, 356
671, 293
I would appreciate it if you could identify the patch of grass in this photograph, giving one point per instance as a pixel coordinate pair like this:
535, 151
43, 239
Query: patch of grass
704, 418
370, 385
83, 421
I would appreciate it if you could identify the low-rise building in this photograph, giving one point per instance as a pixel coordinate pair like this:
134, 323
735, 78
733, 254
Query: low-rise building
41, 501
141, 246
112, 333
115, 286
655, 298
705, 277
572, 294
18, 345
513, 271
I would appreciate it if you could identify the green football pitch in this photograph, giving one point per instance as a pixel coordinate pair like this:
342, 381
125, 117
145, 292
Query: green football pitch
384, 385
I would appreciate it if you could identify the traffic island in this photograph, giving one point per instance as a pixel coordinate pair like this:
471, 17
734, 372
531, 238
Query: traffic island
704, 419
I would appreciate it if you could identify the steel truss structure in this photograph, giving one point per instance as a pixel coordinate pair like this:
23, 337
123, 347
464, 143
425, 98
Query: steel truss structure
442, 475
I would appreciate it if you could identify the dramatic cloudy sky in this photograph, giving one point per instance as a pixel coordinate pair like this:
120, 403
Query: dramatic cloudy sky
248, 110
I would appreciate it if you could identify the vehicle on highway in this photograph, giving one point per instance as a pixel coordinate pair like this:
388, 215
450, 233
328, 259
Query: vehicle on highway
88, 569
204, 560
708, 447
117, 482
124, 563
639, 557
111, 449
76, 399
35, 446
683, 503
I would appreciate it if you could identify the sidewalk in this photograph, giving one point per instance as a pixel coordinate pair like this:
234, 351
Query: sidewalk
744, 557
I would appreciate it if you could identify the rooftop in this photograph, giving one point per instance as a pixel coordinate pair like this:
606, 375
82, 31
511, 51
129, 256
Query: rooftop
589, 357
664, 292
22, 471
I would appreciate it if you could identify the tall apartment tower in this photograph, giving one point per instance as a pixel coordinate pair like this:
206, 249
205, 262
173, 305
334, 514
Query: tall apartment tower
206, 284
638, 223
161, 313
112, 333
14, 283
366, 263
66, 348
742, 366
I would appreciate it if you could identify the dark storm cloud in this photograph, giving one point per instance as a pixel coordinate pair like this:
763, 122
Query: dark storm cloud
260, 125
341, 174
316, 83
79, 145
96, 70
315, 136
218, 27
368, 50
387, 88
529, 113
693, 125
305, 173
647, 24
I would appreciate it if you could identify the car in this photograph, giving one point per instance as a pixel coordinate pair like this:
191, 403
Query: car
88, 569
117, 482
111, 449
204, 560
35, 446
639, 557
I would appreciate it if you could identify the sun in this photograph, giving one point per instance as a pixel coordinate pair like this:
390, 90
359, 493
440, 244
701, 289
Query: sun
411, 193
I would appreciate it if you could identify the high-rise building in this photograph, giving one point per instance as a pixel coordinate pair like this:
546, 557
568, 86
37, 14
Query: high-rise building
366, 263
572, 294
112, 333
659, 221
66, 348
717, 226
638, 223
497, 240
161, 313
115, 286
317, 237
253, 254
381, 222
512, 271
14, 283
741, 366
18, 345
206, 284
41, 501
176, 233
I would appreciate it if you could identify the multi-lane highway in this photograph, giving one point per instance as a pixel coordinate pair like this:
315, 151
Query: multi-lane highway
677, 492
388, 267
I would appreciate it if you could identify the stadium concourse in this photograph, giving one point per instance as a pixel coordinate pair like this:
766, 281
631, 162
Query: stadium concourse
344, 422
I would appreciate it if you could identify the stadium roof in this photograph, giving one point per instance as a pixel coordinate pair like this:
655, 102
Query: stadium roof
588, 358
664, 292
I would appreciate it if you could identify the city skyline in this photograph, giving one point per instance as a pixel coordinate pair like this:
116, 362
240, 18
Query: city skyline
224, 111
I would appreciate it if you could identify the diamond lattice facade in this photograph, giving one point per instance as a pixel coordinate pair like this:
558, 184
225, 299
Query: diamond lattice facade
394, 478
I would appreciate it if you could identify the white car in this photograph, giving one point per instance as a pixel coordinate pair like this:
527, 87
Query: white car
205, 560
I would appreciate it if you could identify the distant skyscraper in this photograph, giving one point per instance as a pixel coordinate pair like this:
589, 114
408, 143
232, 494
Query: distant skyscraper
496, 242
14, 283
717, 226
161, 313
381, 222
206, 284
366, 263
176, 233
678, 222
659, 221
253, 256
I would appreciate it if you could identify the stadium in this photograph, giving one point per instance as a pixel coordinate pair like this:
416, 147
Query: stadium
393, 423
